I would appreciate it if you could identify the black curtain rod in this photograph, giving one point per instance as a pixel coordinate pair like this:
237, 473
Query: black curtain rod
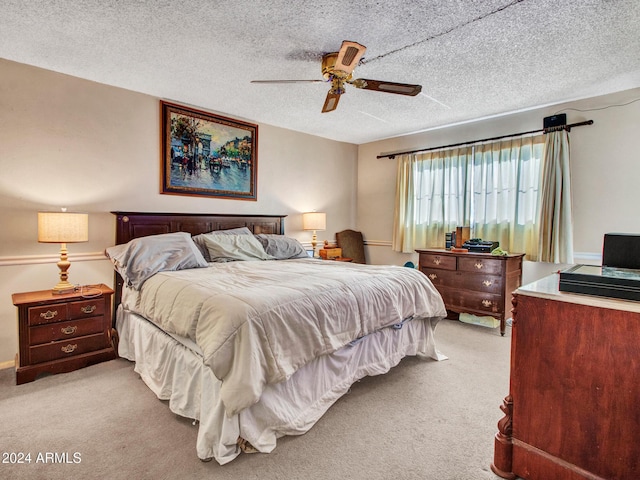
545, 130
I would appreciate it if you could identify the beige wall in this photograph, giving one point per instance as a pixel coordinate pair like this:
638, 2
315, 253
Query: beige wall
605, 166
90, 147
70, 142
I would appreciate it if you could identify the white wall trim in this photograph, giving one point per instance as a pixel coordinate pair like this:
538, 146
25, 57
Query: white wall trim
378, 243
579, 257
587, 257
8, 364
43, 259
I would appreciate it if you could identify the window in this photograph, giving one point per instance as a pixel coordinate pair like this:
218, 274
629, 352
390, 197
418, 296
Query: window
492, 187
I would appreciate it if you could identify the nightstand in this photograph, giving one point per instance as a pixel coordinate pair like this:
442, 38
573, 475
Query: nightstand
62, 333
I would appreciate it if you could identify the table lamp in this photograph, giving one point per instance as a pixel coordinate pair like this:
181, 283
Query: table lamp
314, 221
63, 227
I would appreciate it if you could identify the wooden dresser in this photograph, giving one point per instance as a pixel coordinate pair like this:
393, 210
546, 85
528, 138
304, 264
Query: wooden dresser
476, 283
573, 410
61, 333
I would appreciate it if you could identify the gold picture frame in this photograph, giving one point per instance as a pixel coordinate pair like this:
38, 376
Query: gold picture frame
208, 155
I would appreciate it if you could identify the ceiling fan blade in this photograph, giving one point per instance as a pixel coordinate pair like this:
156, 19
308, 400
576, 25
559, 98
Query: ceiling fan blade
349, 55
331, 102
389, 87
288, 81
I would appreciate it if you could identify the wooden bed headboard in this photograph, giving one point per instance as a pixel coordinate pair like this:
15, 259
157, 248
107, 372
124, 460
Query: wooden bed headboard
130, 225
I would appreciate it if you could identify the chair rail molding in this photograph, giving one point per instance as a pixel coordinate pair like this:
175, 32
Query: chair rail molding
53, 258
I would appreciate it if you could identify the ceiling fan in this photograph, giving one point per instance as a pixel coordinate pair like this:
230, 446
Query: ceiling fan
337, 68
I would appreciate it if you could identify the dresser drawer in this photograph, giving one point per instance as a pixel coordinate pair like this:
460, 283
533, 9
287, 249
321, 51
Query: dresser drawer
63, 330
432, 260
472, 302
48, 314
67, 348
480, 265
86, 308
477, 282
481, 282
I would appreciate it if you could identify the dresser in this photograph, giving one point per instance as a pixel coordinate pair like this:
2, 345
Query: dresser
475, 283
61, 333
572, 412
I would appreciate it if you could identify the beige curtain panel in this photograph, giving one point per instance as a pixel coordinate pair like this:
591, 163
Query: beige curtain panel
556, 222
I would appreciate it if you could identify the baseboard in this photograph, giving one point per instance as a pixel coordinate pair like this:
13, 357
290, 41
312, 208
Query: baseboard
9, 364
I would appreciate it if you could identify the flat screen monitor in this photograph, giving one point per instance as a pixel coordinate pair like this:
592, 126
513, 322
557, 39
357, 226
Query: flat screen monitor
621, 250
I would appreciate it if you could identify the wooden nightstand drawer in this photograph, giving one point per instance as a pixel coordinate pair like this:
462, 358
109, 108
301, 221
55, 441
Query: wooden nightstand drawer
445, 262
66, 348
86, 308
64, 330
48, 314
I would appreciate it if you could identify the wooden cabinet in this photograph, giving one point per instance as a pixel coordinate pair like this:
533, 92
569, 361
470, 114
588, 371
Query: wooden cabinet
61, 333
572, 412
476, 283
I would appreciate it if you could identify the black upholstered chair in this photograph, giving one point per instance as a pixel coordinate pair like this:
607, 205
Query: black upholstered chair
352, 245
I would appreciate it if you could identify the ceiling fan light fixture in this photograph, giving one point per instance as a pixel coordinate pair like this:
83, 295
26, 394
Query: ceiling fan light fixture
338, 67
337, 86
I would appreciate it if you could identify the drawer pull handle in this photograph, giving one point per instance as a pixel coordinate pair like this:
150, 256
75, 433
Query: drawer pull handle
487, 303
48, 315
88, 309
437, 260
69, 330
69, 348
432, 276
478, 265
487, 283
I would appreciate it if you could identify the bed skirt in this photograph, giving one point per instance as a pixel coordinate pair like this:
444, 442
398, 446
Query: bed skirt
173, 368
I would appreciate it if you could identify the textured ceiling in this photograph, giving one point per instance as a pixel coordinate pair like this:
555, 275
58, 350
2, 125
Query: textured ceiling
473, 58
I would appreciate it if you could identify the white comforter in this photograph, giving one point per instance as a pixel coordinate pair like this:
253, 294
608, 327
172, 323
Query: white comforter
259, 322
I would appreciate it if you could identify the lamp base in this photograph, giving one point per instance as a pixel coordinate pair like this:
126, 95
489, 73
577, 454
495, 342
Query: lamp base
62, 288
314, 242
63, 285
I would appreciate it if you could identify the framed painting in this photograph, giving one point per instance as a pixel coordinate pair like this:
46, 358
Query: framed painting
207, 155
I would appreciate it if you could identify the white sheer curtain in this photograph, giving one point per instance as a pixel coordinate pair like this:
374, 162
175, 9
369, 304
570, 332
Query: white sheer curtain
556, 224
506, 180
493, 188
431, 197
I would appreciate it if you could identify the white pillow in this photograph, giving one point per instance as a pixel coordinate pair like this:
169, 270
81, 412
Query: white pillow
199, 239
228, 248
143, 257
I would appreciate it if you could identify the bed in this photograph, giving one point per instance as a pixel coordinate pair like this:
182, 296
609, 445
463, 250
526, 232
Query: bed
255, 350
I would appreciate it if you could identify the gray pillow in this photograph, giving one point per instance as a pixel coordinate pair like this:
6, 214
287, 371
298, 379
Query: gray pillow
143, 257
199, 239
229, 248
281, 247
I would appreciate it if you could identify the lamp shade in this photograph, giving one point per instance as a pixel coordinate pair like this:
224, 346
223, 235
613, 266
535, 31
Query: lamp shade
63, 227
314, 221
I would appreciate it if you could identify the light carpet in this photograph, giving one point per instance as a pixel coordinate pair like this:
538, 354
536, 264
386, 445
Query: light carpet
423, 420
